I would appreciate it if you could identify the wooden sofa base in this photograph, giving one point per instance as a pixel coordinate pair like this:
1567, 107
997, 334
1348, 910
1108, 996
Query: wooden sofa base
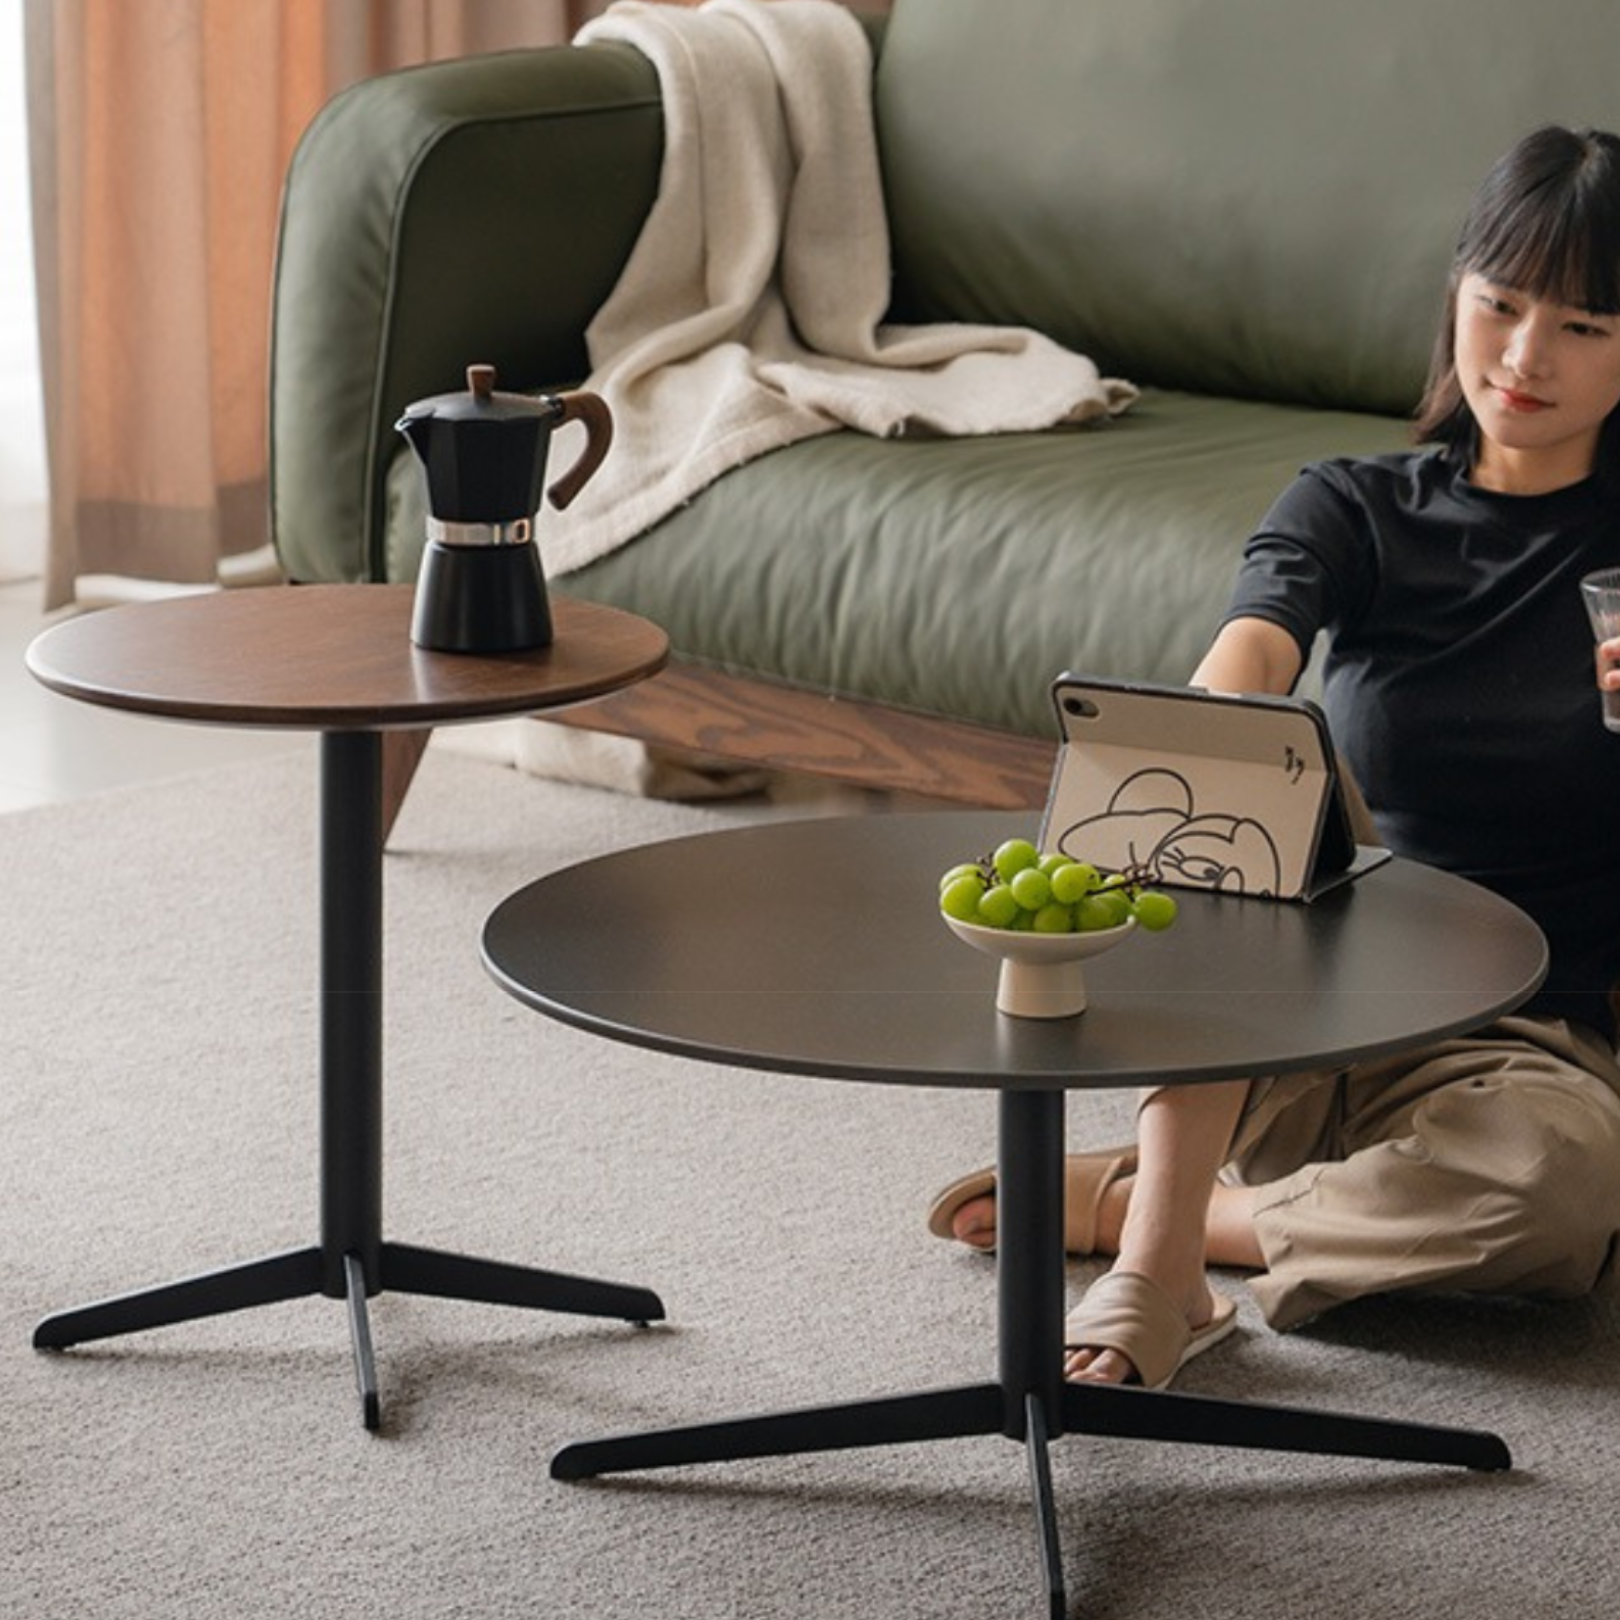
691, 709
688, 709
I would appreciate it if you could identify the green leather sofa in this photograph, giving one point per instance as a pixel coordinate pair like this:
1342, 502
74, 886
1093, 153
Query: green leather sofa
1244, 206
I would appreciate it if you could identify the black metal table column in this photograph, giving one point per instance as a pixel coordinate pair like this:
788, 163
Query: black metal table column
1030, 1402
352, 1261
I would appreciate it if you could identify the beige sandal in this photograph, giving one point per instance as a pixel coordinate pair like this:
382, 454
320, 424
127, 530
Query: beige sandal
1086, 1178
1131, 1314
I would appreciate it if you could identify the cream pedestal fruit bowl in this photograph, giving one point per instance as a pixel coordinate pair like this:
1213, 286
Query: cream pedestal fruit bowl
1042, 975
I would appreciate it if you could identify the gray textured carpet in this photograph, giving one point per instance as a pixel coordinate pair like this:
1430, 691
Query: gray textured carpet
157, 1117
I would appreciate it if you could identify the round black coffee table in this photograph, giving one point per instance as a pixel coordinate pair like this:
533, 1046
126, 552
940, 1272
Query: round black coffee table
338, 659
814, 948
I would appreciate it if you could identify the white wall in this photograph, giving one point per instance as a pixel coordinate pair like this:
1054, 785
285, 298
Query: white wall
22, 431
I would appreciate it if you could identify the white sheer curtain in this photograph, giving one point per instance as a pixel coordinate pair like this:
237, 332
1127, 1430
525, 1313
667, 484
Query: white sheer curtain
22, 425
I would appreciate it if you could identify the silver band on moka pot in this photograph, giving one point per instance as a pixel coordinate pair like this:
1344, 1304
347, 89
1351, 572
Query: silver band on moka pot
516, 532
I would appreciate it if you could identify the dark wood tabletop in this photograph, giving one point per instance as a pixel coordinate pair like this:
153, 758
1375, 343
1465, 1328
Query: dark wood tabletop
328, 657
815, 947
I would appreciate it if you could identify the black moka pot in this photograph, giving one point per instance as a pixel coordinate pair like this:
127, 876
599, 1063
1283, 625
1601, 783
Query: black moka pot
481, 588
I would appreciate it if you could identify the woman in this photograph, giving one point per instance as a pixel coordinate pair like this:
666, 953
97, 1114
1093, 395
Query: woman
1459, 686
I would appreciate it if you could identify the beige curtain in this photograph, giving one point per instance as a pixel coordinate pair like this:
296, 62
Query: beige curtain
159, 134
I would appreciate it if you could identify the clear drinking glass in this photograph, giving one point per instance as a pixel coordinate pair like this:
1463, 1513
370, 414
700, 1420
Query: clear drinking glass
1601, 594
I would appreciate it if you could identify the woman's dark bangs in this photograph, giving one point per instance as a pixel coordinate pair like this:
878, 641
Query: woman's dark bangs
1565, 250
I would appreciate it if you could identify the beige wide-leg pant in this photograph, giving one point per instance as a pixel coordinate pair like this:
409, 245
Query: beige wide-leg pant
1488, 1163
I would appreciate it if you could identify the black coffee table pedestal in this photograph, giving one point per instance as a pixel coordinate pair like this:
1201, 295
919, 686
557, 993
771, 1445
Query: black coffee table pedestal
352, 1261
1030, 1401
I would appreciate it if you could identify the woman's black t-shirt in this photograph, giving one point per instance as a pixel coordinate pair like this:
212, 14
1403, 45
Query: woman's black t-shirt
1459, 684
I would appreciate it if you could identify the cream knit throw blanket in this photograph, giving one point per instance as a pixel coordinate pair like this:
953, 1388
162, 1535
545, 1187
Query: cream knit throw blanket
748, 316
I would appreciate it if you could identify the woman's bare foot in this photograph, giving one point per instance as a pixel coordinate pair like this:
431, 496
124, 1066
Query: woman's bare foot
1091, 1364
1156, 1299
975, 1223
1097, 1191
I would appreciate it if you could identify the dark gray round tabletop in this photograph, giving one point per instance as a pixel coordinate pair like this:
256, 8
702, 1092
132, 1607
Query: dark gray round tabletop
815, 947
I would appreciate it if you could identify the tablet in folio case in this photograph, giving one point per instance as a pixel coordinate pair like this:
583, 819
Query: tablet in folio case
1201, 790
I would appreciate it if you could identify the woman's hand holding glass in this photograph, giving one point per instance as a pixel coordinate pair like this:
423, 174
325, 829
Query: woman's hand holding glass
1601, 593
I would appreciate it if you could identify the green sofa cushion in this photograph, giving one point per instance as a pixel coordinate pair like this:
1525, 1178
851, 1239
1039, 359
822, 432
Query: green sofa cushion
959, 576
1246, 197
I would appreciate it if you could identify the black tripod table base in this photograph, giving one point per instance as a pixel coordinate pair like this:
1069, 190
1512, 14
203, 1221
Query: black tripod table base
298, 1273
1030, 1402
979, 1409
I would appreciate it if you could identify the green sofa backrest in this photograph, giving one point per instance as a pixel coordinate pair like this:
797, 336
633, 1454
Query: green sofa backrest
1245, 197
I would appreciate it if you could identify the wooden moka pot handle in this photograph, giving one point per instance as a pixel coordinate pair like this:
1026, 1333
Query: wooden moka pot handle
592, 410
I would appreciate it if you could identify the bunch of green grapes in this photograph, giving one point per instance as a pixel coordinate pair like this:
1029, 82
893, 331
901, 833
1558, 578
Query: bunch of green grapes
1019, 887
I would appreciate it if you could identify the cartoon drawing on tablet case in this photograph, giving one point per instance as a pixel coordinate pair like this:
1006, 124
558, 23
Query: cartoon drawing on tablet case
1152, 824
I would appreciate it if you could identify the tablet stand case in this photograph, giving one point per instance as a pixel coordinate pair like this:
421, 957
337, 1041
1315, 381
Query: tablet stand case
1198, 789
